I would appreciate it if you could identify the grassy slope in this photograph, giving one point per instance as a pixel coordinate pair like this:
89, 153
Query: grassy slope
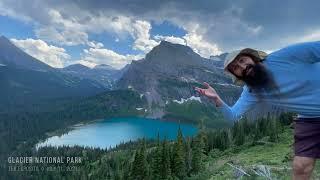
277, 156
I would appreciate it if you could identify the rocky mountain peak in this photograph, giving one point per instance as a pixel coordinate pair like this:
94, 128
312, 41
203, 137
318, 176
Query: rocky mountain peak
169, 53
169, 47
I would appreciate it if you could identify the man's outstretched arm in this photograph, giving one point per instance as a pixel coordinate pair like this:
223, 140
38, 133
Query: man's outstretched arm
243, 104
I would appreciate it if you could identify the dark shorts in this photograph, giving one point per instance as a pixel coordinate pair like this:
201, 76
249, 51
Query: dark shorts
307, 137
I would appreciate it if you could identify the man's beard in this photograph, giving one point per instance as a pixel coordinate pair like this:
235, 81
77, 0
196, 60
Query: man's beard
259, 78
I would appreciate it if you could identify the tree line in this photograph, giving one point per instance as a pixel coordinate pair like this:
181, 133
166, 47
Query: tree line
183, 158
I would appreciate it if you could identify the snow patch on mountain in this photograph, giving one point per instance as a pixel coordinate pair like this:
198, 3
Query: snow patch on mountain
226, 84
188, 80
192, 98
206, 70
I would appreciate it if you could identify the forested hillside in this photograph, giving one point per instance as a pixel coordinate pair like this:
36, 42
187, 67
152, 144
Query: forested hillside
27, 127
260, 149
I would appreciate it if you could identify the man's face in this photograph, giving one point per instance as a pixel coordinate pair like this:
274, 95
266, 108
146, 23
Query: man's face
252, 73
242, 66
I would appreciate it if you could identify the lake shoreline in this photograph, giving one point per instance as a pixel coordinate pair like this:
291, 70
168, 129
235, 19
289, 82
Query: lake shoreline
60, 132
123, 128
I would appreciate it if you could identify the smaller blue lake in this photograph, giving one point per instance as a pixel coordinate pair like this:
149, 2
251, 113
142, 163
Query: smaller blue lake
110, 132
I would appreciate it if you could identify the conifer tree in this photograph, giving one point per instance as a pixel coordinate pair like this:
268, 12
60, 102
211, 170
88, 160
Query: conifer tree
165, 170
225, 139
188, 155
139, 169
178, 164
238, 133
197, 154
204, 136
156, 160
273, 129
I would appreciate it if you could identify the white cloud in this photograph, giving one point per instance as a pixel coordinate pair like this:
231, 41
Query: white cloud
200, 45
230, 24
255, 30
223, 29
11, 12
72, 25
95, 44
69, 37
172, 39
49, 54
64, 27
195, 41
75, 29
141, 33
94, 56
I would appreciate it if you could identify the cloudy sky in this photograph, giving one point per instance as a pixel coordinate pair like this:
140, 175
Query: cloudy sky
91, 32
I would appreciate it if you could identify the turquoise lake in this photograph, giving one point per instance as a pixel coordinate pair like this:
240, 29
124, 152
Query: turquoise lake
110, 132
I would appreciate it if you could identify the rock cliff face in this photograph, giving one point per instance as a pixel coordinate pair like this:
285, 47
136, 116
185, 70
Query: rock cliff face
169, 72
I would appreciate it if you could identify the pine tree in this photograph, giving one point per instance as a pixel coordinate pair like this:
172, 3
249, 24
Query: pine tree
273, 129
117, 171
165, 170
156, 160
188, 155
238, 133
204, 136
139, 169
178, 165
257, 133
197, 154
225, 139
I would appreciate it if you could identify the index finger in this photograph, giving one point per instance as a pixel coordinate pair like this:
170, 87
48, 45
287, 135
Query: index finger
197, 89
206, 84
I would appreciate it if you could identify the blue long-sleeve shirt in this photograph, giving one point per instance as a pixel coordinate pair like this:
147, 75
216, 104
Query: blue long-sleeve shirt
296, 70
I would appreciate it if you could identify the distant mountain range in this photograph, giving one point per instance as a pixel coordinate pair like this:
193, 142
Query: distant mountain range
24, 79
102, 74
169, 73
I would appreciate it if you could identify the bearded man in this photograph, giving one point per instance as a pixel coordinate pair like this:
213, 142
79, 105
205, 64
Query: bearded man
285, 80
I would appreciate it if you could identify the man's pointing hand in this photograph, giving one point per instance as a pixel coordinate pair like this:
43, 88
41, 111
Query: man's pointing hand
210, 93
